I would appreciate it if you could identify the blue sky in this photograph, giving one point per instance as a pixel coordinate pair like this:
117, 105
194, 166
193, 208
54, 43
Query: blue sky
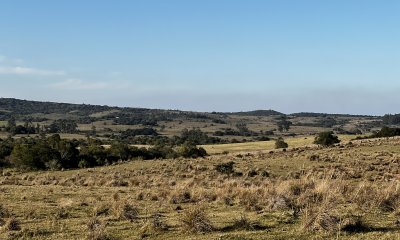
204, 55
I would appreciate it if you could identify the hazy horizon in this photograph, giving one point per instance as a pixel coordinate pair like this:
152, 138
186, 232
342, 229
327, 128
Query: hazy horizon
225, 56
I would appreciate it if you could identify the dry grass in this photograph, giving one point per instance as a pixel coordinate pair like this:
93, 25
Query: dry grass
349, 191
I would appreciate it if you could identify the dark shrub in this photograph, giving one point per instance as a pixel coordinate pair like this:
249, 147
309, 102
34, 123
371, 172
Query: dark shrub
191, 151
226, 168
326, 139
280, 143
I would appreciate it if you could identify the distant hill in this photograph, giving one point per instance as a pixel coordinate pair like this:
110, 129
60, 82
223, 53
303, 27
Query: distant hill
312, 114
109, 122
18, 106
24, 107
86, 113
262, 113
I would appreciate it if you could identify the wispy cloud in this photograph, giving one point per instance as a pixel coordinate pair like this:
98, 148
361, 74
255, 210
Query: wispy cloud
78, 84
10, 61
17, 70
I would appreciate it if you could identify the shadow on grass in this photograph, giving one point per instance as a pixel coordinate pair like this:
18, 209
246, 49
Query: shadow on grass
237, 227
360, 227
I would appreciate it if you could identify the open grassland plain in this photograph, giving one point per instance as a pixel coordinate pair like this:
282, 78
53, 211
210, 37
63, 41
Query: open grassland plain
349, 191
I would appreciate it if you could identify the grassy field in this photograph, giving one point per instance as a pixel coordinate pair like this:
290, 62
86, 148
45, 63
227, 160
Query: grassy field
293, 142
350, 191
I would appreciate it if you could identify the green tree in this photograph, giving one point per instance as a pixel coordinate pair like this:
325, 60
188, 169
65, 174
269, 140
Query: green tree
69, 154
63, 126
93, 155
93, 131
22, 157
326, 139
120, 151
34, 156
283, 124
6, 148
11, 126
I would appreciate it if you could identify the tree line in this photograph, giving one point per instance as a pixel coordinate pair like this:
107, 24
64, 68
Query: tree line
52, 153
58, 126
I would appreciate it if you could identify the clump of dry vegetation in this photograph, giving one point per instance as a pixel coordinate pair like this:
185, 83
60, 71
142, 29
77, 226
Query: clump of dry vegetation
196, 220
12, 224
125, 210
153, 225
245, 224
96, 230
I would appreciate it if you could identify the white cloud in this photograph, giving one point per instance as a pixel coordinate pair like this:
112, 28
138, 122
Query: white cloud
17, 70
78, 84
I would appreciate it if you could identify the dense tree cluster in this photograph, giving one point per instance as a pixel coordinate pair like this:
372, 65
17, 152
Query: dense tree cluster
324, 122
384, 132
131, 133
63, 126
27, 128
241, 130
58, 126
391, 119
56, 153
327, 122
135, 120
195, 136
387, 132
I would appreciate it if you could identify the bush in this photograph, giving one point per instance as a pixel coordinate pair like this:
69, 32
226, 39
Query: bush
96, 230
226, 168
280, 143
196, 220
191, 151
126, 211
12, 224
326, 139
130, 212
245, 224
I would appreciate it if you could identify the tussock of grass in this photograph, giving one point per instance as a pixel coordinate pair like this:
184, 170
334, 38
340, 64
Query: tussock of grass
96, 230
245, 224
125, 210
196, 220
